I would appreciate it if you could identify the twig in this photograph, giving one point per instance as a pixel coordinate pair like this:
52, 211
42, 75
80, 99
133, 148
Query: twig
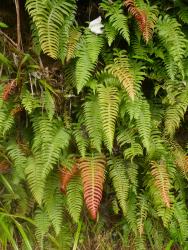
8, 39
19, 36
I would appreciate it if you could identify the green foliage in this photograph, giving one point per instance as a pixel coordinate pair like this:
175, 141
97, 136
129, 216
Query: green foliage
49, 16
108, 104
117, 19
120, 181
75, 198
174, 45
118, 96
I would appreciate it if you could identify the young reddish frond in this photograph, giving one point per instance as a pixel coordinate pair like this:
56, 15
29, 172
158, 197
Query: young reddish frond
92, 173
9, 89
65, 176
145, 25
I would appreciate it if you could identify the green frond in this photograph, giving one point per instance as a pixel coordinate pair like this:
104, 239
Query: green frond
29, 101
93, 122
42, 225
49, 17
35, 39
18, 159
94, 45
166, 215
134, 150
54, 203
64, 37
117, 18
174, 45
183, 14
132, 172
8, 124
6, 118
131, 214
81, 140
180, 213
74, 197
49, 104
33, 170
109, 105
143, 123
50, 139
120, 181
143, 207
110, 33
175, 113
65, 237
74, 37
87, 53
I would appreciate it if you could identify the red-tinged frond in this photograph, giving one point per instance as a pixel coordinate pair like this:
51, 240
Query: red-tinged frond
16, 110
65, 176
161, 181
145, 25
9, 89
92, 173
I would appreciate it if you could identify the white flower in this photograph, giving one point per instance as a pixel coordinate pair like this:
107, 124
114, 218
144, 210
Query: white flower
96, 26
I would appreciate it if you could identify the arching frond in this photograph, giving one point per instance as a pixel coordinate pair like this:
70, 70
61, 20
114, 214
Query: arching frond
74, 36
175, 45
36, 181
49, 17
81, 140
50, 138
117, 18
145, 16
143, 123
120, 181
54, 203
183, 14
87, 53
42, 225
143, 207
93, 121
74, 197
108, 104
175, 113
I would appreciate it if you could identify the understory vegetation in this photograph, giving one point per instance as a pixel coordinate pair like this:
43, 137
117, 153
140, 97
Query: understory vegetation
93, 124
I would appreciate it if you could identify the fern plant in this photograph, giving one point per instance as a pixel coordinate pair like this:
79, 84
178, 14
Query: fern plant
95, 123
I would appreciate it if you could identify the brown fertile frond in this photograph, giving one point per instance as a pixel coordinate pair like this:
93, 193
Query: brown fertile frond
161, 180
9, 89
92, 173
65, 176
145, 25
